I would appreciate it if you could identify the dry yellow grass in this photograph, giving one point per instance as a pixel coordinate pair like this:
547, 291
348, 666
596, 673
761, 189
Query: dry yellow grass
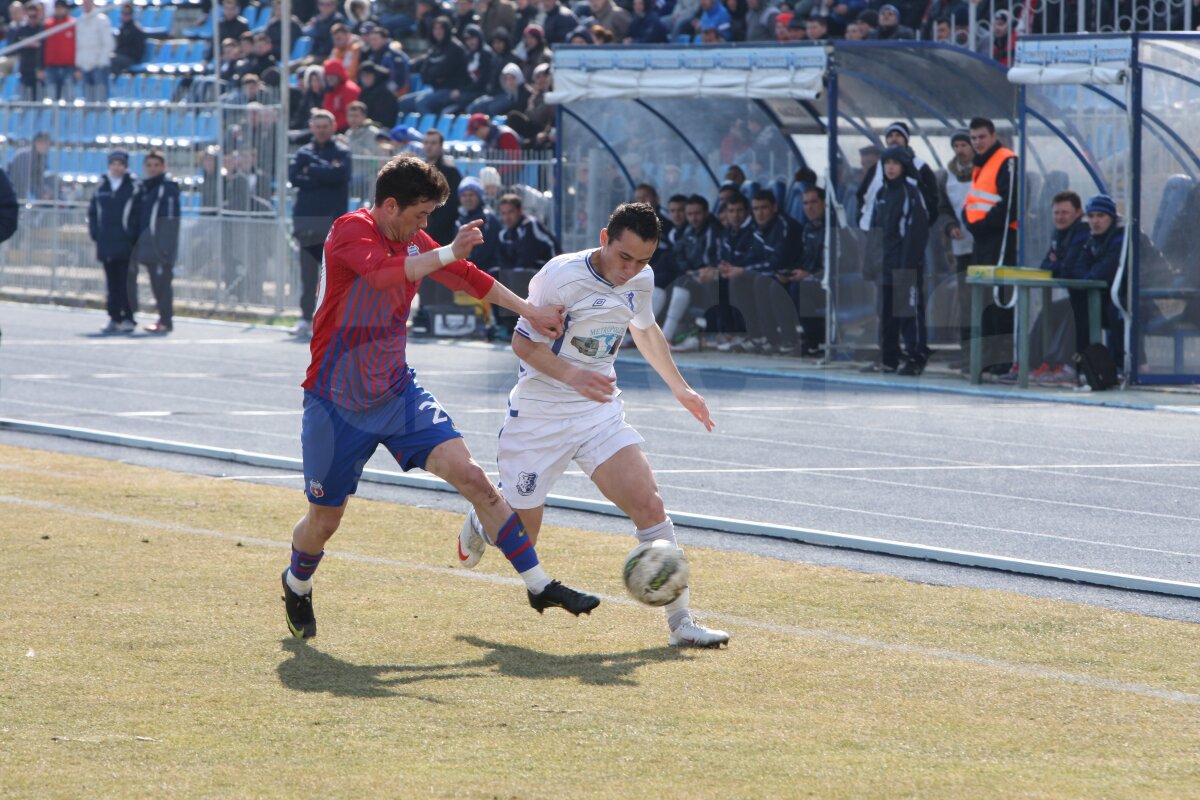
143, 654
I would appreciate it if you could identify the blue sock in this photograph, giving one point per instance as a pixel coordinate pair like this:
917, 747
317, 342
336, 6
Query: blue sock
301, 571
516, 545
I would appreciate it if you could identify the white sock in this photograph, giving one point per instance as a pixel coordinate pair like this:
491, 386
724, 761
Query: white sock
677, 610
658, 299
299, 586
535, 579
680, 300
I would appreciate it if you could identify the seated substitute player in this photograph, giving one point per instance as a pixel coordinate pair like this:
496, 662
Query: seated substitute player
360, 391
566, 407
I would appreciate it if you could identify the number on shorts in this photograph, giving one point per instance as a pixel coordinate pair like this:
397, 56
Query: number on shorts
439, 415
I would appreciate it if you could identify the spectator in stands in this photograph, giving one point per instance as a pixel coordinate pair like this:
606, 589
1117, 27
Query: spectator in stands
131, 42
30, 170
737, 15
900, 214
1099, 260
58, 54
890, 27
496, 138
523, 246
645, 27
382, 105
340, 92
805, 282
261, 59
312, 84
16, 18
715, 16
251, 90
428, 12
360, 136
489, 178
527, 11
94, 47
464, 17
275, 31
938, 11
816, 29
230, 63
663, 260
535, 125
954, 184
513, 94
321, 172
695, 256
868, 23
580, 36
347, 49
501, 44
557, 21
232, 24
775, 253
443, 69
320, 29
388, 54
962, 33
441, 220
1003, 37
495, 14
395, 17
112, 217
897, 135
481, 63
30, 55
358, 12
533, 50
157, 243
471, 206
601, 35
856, 31
611, 17
245, 53
760, 21
679, 19
797, 29
734, 251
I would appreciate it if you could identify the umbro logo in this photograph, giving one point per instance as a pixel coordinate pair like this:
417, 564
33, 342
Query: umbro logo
598, 303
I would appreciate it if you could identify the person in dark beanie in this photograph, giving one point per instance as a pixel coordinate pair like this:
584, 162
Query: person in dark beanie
1100, 260
889, 24
158, 236
112, 224
897, 135
900, 214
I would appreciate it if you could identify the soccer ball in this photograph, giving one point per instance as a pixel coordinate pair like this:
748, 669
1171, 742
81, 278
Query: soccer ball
656, 572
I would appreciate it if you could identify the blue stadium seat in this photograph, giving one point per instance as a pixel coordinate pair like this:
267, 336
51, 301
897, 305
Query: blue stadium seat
166, 19
206, 127
500, 119
749, 188
70, 161
196, 52
780, 190
458, 131
93, 162
794, 207
444, 123
181, 124
149, 21
415, 84
152, 123
302, 47
123, 86
12, 86
427, 121
411, 119
70, 125
123, 124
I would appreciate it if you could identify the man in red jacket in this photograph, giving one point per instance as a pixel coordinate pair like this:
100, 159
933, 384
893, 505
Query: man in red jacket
58, 53
340, 92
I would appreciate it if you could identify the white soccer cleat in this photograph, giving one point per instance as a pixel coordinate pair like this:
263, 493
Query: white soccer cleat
692, 634
471, 544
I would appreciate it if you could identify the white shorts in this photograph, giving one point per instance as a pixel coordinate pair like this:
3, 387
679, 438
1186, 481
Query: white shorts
535, 451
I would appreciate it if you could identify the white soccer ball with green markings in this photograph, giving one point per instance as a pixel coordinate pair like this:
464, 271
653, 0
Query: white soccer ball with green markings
656, 573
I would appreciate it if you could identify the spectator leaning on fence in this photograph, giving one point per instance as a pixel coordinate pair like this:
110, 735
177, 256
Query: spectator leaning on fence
94, 46
321, 172
157, 245
30, 170
112, 216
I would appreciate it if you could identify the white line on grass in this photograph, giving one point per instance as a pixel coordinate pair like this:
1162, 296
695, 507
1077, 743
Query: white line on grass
1141, 690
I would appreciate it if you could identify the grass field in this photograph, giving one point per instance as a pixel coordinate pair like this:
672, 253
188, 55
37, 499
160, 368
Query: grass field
142, 654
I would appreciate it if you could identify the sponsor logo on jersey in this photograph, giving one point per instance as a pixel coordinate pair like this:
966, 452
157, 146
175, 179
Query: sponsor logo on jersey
413, 250
315, 488
526, 483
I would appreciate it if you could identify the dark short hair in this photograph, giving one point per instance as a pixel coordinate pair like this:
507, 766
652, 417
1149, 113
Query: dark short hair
1068, 197
738, 199
246, 36
510, 199
647, 188
982, 122
677, 198
766, 196
341, 27
154, 153
436, 133
357, 105
409, 181
698, 200
641, 218
817, 190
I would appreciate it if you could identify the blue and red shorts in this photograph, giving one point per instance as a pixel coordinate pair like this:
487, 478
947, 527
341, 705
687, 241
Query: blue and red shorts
337, 442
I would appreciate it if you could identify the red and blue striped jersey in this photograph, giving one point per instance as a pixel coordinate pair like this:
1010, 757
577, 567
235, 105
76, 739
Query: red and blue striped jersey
360, 332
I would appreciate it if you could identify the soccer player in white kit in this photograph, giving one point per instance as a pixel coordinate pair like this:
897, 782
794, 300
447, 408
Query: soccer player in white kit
566, 405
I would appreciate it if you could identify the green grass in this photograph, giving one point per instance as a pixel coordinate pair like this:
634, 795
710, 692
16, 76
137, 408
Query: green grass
143, 654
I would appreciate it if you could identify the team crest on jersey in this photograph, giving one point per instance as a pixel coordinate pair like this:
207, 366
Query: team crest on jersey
526, 483
315, 488
413, 250
629, 300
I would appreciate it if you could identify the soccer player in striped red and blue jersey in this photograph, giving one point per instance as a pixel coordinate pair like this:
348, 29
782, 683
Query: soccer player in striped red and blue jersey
360, 392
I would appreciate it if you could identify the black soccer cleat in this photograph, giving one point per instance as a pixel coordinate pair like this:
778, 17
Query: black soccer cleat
299, 612
555, 595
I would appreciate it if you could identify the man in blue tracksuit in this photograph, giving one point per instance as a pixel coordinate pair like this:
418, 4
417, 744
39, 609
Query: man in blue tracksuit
158, 237
1099, 260
112, 223
899, 211
320, 171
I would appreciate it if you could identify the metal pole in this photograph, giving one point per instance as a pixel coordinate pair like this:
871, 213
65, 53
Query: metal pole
219, 170
283, 269
972, 18
831, 187
558, 182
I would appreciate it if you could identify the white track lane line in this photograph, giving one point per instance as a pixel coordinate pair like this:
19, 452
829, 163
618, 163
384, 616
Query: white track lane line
850, 640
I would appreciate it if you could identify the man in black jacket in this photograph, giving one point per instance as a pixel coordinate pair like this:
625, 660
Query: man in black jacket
897, 135
131, 42
776, 252
695, 252
442, 225
112, 217
320, 28
381, 103
157, 244
900, 213
443, 70
735, 290
805, 281
524, 246
320, 171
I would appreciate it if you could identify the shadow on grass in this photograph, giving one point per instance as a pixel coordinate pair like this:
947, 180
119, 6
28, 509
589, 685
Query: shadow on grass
310, 670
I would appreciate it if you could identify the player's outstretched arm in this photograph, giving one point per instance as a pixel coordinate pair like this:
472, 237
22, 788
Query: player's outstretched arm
591, 385
654, 348
546, 320
467, 238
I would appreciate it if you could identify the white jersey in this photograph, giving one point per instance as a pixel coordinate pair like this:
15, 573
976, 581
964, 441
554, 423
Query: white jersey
597, 315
